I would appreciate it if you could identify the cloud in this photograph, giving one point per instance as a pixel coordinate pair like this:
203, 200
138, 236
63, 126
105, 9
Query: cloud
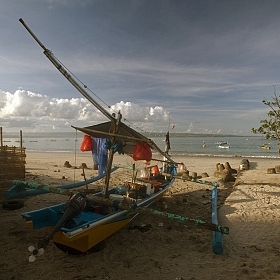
34, 110
136, 113
185, 60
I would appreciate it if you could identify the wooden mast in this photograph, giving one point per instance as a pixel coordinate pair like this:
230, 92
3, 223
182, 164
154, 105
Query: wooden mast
115, 124
1, 136
64, 72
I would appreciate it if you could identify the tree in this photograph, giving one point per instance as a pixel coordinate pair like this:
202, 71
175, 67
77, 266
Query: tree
271, 127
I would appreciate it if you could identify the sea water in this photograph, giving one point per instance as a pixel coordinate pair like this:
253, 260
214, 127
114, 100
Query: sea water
246, 146
183, 144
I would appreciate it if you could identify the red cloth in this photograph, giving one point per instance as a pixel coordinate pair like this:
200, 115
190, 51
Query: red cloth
142, 151
86, 144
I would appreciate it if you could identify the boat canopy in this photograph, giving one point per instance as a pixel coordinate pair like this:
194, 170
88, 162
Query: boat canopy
126, 135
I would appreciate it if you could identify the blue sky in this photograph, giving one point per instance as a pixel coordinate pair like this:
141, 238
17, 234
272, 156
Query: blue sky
204, 66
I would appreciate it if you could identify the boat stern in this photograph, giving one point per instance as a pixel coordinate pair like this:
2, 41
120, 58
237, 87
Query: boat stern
45, 217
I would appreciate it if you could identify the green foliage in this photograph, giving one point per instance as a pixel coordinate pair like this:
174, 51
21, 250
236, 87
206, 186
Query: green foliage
270, 127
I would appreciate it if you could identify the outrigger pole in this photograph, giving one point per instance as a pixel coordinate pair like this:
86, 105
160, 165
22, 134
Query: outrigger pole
22, 189
217, 246
214, 226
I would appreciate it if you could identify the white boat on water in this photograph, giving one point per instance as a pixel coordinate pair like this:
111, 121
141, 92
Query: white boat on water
223, 145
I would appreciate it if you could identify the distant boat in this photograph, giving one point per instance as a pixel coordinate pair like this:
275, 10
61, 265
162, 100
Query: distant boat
223, 145
266, 147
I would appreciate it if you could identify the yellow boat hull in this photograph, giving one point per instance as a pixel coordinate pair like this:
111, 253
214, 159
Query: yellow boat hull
86, 240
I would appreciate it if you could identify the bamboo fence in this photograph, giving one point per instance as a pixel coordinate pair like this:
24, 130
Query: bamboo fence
12, 164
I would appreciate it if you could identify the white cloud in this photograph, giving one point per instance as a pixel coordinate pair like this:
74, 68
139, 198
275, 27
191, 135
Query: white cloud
33, 110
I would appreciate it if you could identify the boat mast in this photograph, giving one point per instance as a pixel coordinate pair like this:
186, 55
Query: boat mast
64, 72
114, 129
115, 123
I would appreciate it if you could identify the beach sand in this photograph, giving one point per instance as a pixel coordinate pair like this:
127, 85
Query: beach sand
250, 207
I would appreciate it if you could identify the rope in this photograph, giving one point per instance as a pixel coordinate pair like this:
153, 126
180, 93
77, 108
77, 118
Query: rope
75, 155
86, 87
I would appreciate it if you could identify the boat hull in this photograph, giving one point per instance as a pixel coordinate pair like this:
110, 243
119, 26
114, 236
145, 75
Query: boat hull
91, 227
87, 240
223, 147
265, 147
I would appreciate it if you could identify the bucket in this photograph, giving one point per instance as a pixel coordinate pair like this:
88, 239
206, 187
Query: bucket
155, 170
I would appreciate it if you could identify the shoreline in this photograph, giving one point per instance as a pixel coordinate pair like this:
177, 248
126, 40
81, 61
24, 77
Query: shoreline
78, 152
53, 164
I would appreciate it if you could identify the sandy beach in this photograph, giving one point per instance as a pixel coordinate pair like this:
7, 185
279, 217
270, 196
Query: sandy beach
169, 250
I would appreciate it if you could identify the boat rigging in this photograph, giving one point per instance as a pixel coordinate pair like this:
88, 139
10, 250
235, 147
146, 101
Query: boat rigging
82, 223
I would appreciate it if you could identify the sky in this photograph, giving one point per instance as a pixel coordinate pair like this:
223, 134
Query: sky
203, 66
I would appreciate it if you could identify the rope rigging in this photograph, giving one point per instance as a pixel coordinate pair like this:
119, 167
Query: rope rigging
130, 124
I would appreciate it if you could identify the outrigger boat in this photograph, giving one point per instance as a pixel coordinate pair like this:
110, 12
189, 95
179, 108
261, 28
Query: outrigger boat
84, 221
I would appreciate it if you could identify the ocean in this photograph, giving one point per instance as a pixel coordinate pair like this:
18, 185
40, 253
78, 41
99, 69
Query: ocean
182, 144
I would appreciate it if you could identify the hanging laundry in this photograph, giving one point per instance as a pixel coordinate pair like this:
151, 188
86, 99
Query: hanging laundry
142, 151
86, 144
100, 153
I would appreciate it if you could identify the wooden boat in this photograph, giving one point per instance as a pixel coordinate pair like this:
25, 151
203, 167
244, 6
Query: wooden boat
266, 147
81, 223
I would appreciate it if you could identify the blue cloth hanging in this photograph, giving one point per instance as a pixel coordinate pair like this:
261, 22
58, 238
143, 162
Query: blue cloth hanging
100, 154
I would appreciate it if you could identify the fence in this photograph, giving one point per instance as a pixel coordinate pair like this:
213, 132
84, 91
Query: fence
12, 164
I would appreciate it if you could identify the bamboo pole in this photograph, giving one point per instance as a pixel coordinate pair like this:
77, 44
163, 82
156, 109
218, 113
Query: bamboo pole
134, 208
20, 135
154, 212
217, 236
